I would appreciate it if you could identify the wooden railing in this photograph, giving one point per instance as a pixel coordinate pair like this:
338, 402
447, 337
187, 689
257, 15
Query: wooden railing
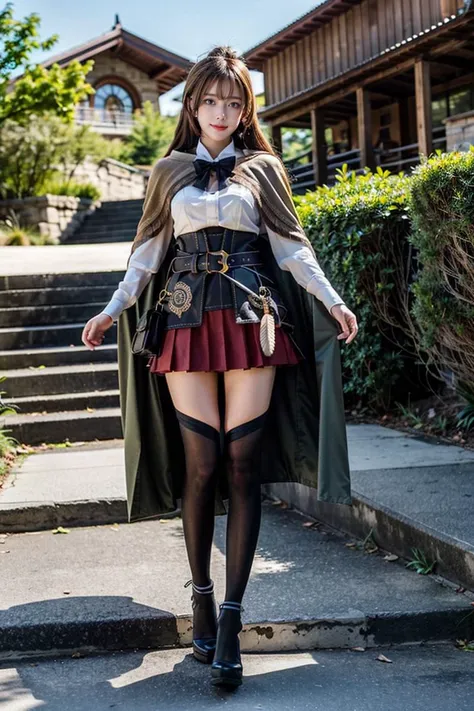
301, 171
406, 157
300, 168
337, 160
397, 159
104, 121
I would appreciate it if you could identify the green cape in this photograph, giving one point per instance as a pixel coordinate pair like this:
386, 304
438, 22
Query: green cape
304, 438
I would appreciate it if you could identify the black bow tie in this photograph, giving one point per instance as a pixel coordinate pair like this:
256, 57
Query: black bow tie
223, 168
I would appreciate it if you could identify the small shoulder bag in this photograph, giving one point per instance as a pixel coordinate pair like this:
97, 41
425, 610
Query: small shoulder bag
148, 338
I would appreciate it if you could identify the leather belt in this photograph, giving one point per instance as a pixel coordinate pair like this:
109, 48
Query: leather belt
217, 261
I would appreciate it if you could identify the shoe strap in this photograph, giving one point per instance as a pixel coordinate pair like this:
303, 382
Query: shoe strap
230, 605
203, 590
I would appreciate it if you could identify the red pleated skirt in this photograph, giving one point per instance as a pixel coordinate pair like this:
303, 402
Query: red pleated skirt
220, 344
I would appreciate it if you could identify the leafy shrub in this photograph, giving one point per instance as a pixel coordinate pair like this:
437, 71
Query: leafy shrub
44, 151
442, 210
7, 443
359, 230
150, 136
19, 236
13, 234
73, 189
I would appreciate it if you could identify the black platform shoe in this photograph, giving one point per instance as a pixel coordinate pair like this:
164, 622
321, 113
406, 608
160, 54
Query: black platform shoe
203, 601
226, 669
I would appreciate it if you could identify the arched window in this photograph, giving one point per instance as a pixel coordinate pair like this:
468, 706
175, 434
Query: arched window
113, 97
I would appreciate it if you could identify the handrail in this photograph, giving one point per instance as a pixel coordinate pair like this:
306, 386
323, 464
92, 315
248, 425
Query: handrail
103, 117
337, 157
390, 158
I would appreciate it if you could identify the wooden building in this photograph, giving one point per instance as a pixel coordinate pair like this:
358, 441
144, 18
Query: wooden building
378, 82
128, 70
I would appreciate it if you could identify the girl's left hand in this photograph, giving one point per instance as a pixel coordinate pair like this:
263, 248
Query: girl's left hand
347, 321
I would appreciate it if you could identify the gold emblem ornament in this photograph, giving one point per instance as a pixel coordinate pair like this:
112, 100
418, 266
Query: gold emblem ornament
180, 299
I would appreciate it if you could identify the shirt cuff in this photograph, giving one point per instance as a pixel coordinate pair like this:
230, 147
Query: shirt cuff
114, 308
324, 293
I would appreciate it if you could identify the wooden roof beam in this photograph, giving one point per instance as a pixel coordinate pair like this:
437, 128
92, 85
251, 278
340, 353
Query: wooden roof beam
447, 47
453, 62
453, 83
159, 74
459, 34
396, 87
466, 52
337, 115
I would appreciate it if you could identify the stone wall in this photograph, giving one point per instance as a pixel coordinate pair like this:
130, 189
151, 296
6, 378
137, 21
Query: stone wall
460, 131
108, 64
56, 216
115, 180
59, 216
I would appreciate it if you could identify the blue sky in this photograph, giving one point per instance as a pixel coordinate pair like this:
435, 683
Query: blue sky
186, 27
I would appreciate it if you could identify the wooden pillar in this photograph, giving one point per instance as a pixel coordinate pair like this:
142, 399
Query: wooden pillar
319, 158
276, 139
424, 122
364, 125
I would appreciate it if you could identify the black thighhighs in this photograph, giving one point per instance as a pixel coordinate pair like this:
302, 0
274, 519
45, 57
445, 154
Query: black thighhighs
243, 524
202, 451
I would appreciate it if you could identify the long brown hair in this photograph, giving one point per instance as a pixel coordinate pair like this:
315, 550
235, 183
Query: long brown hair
222, 63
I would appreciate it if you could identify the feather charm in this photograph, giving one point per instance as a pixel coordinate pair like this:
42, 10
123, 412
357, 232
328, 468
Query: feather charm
267, 329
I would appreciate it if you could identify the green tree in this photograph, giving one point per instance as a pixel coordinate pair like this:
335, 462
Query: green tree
79, 143
37, 90
45, 150
151, 134
295, 141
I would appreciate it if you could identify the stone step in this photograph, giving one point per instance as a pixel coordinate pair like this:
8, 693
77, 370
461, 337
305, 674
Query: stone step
84, 238
57, 427
106, 228
307, 590
124, 217
68, 334
50, 314
116, 216
54, 356
64, 280
101, 222
25, 382
107, 205
64, 402
16, 298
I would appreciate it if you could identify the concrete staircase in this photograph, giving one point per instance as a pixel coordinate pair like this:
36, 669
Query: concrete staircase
114, 221
62, 389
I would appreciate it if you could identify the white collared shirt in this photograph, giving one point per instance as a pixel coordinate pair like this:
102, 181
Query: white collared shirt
233, 207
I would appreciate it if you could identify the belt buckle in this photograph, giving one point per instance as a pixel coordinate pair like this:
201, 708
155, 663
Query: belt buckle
225, 266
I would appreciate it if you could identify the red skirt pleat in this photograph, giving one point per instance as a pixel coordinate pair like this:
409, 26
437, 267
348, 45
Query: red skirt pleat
220, 344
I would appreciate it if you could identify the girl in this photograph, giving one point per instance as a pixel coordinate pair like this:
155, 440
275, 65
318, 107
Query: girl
263, 398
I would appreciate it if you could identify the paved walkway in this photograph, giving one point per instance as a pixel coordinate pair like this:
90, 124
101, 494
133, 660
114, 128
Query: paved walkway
427, 678
122, 586
64, 258
432, 483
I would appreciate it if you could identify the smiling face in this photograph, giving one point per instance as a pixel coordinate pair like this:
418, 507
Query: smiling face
219, 112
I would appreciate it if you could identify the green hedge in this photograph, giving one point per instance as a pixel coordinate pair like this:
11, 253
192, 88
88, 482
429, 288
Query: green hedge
400, 251
56, 186
442, 212
354, 227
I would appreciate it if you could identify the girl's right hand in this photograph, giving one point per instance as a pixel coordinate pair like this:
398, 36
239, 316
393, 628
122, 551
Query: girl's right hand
93, 333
